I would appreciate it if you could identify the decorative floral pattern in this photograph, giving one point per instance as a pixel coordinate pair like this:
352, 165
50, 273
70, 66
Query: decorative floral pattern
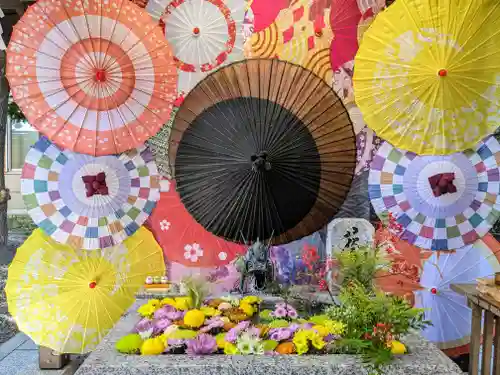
193, 252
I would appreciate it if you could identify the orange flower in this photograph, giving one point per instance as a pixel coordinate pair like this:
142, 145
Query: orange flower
285, 348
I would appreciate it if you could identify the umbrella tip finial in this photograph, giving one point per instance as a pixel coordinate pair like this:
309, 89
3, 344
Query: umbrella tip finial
434, 291
196, 31
443, 73
92, 284
100, 75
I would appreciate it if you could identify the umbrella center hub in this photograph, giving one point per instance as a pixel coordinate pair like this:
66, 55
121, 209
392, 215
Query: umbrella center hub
443, 73
442, 183
100, 75
260, 162
196, 31
95, 184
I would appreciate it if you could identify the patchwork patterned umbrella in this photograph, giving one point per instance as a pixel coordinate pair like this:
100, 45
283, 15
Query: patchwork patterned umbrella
95, 77
204, 35
183, 240
442, 202
427, 73
68, 299
89, 202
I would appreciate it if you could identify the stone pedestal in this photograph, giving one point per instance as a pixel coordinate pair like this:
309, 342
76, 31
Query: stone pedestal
424, 359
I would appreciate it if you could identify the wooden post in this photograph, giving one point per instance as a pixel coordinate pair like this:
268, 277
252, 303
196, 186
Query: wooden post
475, 339
489, 321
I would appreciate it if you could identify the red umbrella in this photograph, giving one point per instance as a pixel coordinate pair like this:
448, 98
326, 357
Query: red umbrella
184, 240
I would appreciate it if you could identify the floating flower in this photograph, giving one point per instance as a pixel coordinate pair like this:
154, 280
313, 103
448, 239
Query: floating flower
161, 325
301, 341
130, 344
184, 334
280, 334
397, 347
209, 311
232, 335
175, 315
253, 331
266, 315
154, 302
241, 326
247, 309
202, 344
212, 323
169, 330
220, 339
302, 348
285, 348
225, 306
318, 342
163, 312
194, 318
153, 346
230, 349
280, 312
144, 328
146, 310
167, 301
183, 303
269, 345
193, 252
251, 300
322, 330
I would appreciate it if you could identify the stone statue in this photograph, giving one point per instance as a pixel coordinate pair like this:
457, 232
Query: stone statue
256, 268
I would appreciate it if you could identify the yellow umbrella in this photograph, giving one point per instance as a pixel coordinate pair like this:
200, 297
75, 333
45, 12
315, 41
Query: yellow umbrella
67, 299
428, 72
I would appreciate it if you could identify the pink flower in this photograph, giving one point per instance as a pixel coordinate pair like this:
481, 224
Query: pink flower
202, 344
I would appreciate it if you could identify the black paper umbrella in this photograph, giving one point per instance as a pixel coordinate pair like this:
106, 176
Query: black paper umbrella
262, 149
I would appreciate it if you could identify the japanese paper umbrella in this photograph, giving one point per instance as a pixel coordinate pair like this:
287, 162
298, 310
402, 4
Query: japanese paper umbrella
442, 202
89, 202
185, 241
446, 309
96, 77
204, 35
254, 156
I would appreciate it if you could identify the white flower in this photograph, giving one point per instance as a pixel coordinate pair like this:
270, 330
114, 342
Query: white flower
164, 225
222, 255
193, 252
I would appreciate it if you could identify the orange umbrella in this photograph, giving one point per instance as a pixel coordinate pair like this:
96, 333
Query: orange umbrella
95, 77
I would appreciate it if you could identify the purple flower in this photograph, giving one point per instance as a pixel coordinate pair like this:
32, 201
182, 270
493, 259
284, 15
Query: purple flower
241, 326
293, 327
143, 325
202, 344
212, 323
232, 335
164, 312
280, 334
160, 325
292, 313
306, 326
174, 315
280, 312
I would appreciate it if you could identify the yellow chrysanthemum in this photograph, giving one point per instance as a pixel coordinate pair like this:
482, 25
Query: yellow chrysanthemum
146, 310
247, 309
322, 330
153, 346
251, 300
154, 302
230, 349
318, 342
301, 349
194, 318
301, 338
183, 303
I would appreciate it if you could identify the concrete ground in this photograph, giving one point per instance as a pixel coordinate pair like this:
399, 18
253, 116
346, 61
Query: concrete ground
19, 356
